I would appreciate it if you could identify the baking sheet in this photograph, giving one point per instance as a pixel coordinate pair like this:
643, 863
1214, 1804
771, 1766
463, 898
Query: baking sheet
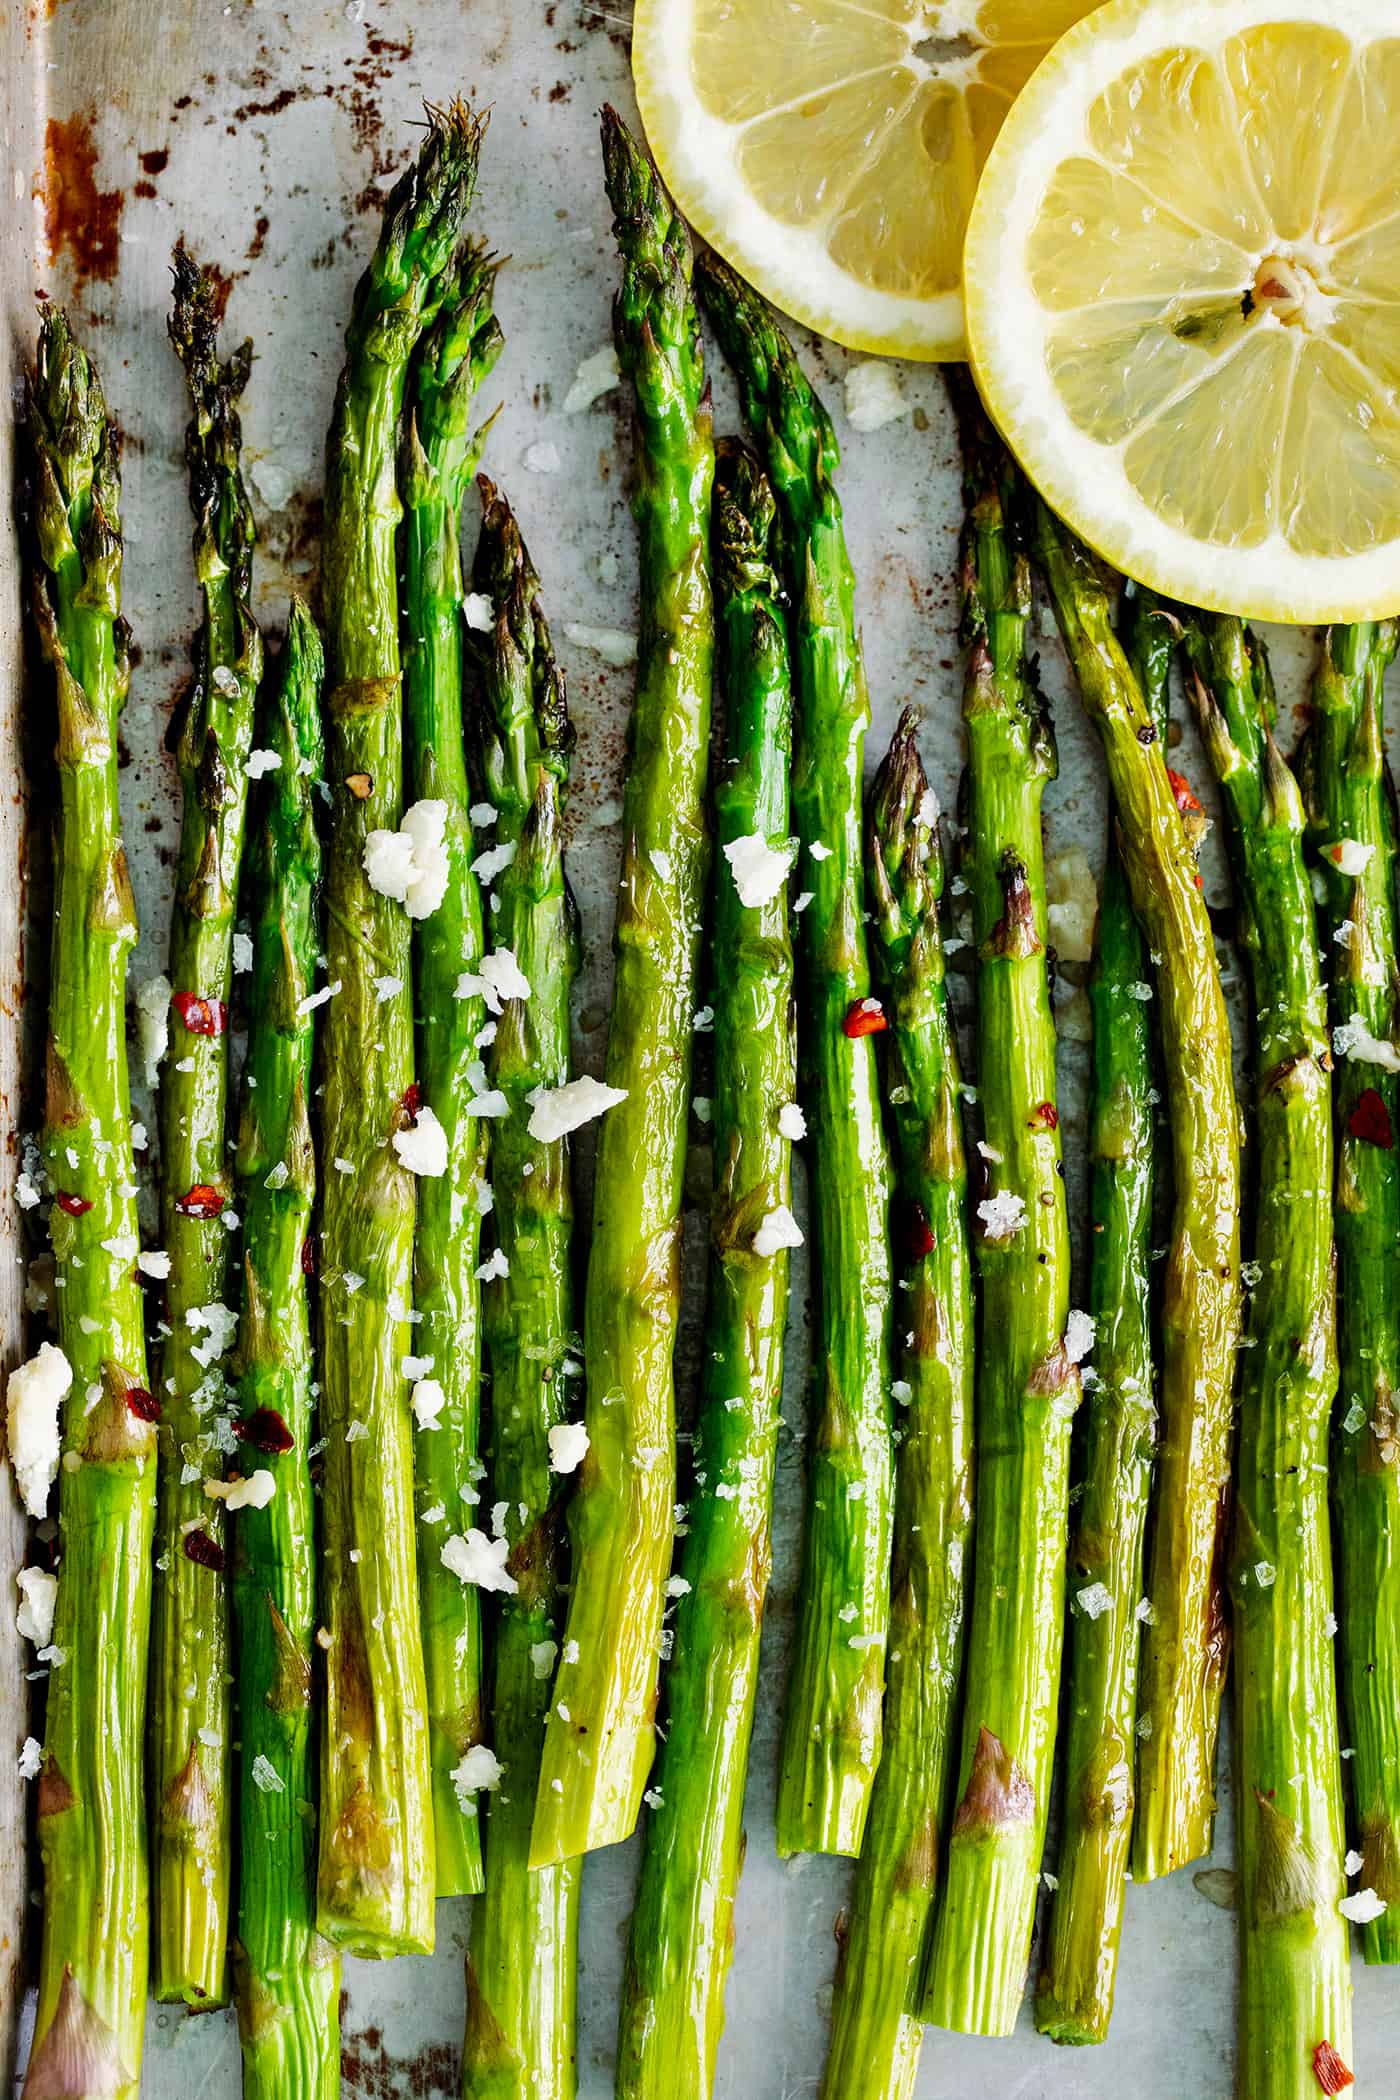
265, 135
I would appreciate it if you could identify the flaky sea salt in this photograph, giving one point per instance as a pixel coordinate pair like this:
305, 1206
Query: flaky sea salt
479, 1560
423, 1148
778, 1229
568, 1447
555, 1111
759, 870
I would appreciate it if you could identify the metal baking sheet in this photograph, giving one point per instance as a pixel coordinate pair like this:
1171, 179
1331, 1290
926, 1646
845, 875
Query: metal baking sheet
265, 134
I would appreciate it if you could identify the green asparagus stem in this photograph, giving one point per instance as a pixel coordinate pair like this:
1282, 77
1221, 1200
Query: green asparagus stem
210, 734
454, 356
596, 1761
682, 1926
1028, 1384
831, 1740
92, 1813
377, 1874
1074, 2000
520, 2042
875, 2032
287, 1976
1347, 792
1185, 1641
1295, 1963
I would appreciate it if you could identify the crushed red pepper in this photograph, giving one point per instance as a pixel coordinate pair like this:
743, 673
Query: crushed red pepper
1370, 1121
200, 1016
864, 1017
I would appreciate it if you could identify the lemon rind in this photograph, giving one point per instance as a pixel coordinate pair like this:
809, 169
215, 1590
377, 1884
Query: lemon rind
1080, 477
693, 152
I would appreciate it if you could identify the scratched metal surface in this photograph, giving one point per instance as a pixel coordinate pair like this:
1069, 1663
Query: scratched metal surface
263, 133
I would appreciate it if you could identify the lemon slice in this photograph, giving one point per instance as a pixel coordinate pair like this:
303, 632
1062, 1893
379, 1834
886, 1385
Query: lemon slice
1183, 298
829, 149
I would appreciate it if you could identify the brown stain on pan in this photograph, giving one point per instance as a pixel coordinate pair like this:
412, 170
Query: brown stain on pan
78, 215
369, 2071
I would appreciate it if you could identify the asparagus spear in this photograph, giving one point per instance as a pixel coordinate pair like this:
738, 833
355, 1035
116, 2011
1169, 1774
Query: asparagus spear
682, 1925
520, 2042
1295, 1964
92, 1814
376, 1871
1351, 825
1185, 1641
1028, 1382
288, 1977
831, 1738
600, 1734
210, 734
1074, 2000
875, 2020
454, 356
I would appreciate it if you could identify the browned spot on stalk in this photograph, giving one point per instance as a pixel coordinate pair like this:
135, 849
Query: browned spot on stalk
1380, 1855
63, 1105
1106, 1790
1014, 936
188, 1807
998, 1793
1380, 1449
1055, 1373
919, 1867
77, 2057
1285, 1874
1217, 1626
290, 1690
484, 2041
115, 1430
56, 1797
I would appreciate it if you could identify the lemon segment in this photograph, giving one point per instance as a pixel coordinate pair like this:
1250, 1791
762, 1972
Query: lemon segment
830, 149
1182, 276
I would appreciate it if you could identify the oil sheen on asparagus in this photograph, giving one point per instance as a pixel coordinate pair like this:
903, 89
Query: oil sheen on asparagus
91, 2013
1295, 1961
210, 734
376, 1860
287, 1977
600, 1737
1351, 828
682, 1925
1185, 1638
454, 355
831, 1730
875, 2022
520, 2036
1074, 1999
1028, 1384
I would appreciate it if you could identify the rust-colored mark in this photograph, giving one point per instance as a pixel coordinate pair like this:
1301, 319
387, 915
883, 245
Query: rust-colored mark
372, 2072
77, 214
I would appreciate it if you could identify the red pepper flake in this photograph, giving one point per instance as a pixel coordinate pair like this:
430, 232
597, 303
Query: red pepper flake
1370, 1121
200, 1016
919, 1237
308, 1256
412, 1099
1045, 1116
200, 1202
1182, 792
73, 1206
142, 1404
204, 1551
265, 1430
864, 1017
1330, 2072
